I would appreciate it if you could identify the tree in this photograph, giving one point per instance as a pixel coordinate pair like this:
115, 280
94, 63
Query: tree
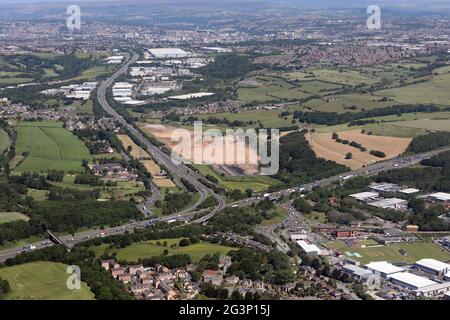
184, 243
348, 156
302, 205
129, 148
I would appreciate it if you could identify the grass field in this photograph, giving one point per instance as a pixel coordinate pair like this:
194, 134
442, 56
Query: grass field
4, 140
42, 281
49, 147
256, 183
12, 216
345, 77
391, 252
147, 249
93, 73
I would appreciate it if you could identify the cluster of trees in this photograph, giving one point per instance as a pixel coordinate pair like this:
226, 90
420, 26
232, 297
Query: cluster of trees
174, 202
272, 267
229, 66
377, 153
428, 142
69, 215
333, 118
353, 144
4, 288
299, 164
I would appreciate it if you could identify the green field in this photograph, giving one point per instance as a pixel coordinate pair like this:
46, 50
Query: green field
391, 253
147, 249
12, 216
345, 77
42, 281
256, 183
4, 140
49, 147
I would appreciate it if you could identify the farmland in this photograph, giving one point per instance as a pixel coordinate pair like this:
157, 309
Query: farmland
325, 147
391, 252
6, 217
147, 249
4, 140
48, 146
42, 281
136, 151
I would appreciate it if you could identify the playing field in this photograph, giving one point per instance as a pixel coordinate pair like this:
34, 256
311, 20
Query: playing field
42, 281
136, 151
327, 148
12, 216
49, 147
147, 249
391, 253
4, 140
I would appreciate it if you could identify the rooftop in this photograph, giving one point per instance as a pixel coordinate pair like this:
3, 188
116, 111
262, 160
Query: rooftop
389, 202
440, 196
365, 195
409, 191
384, 267
412, 279
308, 248
433, 264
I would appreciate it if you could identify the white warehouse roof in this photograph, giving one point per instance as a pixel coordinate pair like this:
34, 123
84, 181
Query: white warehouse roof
433, 264
409, 191
168, 52
389, 203
308, 248
412, 280
364, 195
384, 267
442, 196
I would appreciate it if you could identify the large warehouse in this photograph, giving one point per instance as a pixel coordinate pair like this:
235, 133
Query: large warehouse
410, 280
383, 268
165, 53
432, 266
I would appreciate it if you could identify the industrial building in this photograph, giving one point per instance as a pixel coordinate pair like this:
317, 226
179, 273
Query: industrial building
390, 203
409, 191
365, 196
410, 280
383, 268
310, 249
165, 53
432, 266
384, 187
433, 290
357, 272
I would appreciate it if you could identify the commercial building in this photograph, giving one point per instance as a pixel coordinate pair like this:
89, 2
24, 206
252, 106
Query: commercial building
383, 268
365, 196
410, 280
433, 290
432, 266
357, 272
384, 187
409, 191
165, 53
345, 233
191, 96
440, 197
390, 203
310, 249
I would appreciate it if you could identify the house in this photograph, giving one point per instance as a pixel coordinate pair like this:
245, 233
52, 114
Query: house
213, 277
117, 271
134, 269
225, 262
232, 280
412, 228
333, 201
109, 264
124, 277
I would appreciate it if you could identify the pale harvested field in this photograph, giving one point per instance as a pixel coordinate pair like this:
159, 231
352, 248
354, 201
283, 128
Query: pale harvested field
164, 183
427, 124
245, 157
151, 167
327, 148
136, 151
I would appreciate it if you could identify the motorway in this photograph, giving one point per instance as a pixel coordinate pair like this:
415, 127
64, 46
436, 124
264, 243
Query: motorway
181, 171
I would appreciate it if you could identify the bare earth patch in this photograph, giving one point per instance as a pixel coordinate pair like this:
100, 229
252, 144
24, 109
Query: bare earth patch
136, 151
325, 147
